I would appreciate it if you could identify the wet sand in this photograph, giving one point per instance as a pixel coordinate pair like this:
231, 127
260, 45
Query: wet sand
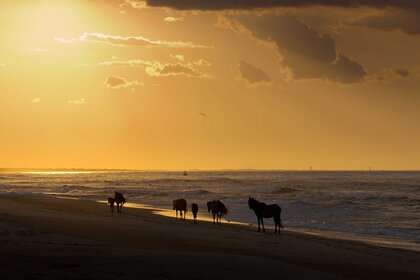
53, 238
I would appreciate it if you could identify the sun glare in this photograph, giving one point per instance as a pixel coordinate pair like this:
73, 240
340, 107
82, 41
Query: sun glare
56, 172
46, 20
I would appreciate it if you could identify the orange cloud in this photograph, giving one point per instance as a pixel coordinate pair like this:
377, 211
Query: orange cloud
118, 83
80, 101
173, 19
158, 69
137, 41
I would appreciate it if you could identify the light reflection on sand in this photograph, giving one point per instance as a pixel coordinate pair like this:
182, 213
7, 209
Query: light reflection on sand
202, 216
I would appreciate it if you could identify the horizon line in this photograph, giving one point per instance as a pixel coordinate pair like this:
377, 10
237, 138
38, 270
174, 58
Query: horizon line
8, 169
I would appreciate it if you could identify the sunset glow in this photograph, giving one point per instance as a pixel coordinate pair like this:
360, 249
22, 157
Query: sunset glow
180, 85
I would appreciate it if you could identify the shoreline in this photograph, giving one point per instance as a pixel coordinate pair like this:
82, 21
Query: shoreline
385, 241
69, 230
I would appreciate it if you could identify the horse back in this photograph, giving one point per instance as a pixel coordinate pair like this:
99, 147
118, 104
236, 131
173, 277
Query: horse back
181, 204
275, 209
119, 197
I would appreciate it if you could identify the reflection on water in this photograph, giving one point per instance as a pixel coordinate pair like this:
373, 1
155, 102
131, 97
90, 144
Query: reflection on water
379, 205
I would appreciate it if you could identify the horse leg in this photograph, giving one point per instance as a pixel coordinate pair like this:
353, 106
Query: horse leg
262, 222
258, 218
275, 226
278, 224
214, 219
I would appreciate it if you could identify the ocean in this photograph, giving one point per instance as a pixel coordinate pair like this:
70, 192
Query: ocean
378, 206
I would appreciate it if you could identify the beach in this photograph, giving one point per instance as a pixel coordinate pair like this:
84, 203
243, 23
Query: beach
45, 237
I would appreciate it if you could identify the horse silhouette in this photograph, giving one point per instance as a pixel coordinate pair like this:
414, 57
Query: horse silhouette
218, 209
180, 205
119, 200
111, 202
194, 209
263, 210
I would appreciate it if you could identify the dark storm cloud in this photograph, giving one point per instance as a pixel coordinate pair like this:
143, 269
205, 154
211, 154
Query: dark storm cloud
306, 53
255, 4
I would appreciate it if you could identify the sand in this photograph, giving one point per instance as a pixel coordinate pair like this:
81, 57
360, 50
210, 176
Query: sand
53, 238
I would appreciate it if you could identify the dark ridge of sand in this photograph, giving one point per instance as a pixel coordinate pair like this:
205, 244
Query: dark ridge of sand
52, 238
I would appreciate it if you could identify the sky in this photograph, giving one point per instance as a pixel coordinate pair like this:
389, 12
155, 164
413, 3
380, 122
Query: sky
211, 84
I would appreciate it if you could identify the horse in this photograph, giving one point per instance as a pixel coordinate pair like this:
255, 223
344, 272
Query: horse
263, 210
119, 200
194, 209
180, 205
218, 209
111, 202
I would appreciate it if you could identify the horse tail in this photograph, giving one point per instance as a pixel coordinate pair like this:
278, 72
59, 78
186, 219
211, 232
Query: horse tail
281, 223
224, 210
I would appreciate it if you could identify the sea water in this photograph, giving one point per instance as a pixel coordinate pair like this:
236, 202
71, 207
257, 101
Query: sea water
382, 206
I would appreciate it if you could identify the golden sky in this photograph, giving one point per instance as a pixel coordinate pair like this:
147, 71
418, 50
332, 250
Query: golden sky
161, 84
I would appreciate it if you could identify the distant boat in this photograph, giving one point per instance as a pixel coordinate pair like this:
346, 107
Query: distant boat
185, 173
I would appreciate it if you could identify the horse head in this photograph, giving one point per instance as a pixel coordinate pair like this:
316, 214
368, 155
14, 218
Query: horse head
251, 202
209, 204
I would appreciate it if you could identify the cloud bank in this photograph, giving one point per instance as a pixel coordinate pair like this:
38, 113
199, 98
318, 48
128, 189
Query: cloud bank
307, 54
214, 5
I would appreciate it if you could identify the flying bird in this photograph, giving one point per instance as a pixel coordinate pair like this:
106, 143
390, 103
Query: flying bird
203, 115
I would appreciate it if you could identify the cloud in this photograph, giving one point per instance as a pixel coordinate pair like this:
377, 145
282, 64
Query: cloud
36, 100
136, 4
251, 74
177, 69
2, 65
64, 41
173, 19
80, 101
305, 53
402, 72
158, 69
118, 83
403, 21
391, 74
137, 41
213, 5
37, 49
201, 62
178, 57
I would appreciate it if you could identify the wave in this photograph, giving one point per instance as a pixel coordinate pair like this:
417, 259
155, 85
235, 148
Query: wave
15, 193
69, 189
277, 190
